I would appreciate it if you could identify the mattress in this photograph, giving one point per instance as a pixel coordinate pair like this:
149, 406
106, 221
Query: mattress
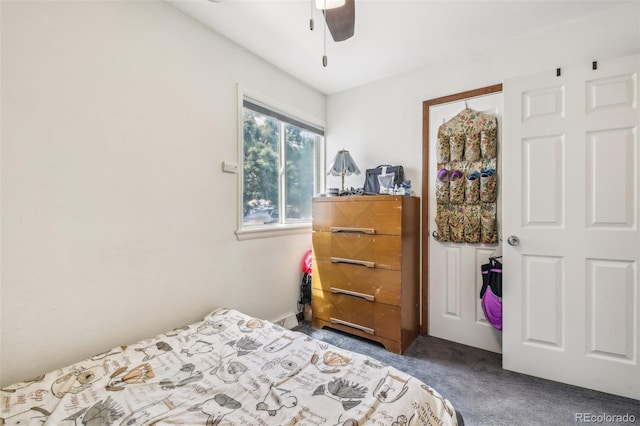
228, 369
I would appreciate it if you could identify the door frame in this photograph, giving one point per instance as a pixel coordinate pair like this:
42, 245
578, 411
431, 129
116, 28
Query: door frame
426, 105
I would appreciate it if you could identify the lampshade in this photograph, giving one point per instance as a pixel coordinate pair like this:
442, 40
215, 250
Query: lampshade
329, 4
343, 165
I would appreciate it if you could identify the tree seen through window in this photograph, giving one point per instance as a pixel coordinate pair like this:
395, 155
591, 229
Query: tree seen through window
279, 160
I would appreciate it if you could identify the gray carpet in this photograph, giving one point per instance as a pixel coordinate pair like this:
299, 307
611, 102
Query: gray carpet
477, 386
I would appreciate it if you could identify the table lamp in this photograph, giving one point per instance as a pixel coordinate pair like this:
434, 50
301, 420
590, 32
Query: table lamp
343, 165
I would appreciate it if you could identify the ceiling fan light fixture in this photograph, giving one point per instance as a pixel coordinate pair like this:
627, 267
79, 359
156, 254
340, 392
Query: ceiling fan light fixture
329, 4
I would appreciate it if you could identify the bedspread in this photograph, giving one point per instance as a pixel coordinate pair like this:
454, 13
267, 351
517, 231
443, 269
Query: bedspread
228, 369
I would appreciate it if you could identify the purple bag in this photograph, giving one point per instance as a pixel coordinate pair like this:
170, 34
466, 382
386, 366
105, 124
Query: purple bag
492, 308
491, 292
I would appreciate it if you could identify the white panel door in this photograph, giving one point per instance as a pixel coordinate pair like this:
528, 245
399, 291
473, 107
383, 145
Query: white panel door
571, 297
455, 312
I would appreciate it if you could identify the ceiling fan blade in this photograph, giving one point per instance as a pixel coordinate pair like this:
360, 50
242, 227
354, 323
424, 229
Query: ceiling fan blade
341, 20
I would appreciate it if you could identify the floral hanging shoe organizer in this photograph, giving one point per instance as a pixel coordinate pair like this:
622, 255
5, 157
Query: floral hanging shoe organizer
467, 179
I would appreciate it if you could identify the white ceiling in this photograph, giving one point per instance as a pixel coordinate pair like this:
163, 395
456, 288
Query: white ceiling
392, 37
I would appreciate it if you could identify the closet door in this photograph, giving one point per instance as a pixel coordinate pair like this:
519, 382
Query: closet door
455, 312
570, 224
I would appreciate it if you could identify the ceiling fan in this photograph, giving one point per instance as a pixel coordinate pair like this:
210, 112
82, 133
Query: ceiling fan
340, 16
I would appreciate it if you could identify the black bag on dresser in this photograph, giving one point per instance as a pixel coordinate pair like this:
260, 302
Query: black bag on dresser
371, 182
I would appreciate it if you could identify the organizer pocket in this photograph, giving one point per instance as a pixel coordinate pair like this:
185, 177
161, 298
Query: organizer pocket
472, 189
456, 224
472, 224
456, 187
456, 146
442, 186
442, 223
488, 143
488, 187
443, 149
488, 224
472, 147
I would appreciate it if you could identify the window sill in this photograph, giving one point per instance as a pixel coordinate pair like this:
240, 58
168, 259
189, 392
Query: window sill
272, 231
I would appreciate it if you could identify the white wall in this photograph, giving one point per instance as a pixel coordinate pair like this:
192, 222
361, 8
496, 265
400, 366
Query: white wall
381, 123
117, 221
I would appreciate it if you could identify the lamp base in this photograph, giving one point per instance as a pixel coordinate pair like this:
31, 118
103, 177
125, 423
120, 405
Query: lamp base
333, 192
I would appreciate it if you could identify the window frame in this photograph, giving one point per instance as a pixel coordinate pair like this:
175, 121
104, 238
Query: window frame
279, 229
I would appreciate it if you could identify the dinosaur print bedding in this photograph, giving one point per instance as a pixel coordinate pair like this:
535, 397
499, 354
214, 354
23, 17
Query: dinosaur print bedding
228, 369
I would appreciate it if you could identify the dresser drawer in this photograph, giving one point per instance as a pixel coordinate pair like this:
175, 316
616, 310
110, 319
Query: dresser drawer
375, 319
358, 214
379, 285
383, 250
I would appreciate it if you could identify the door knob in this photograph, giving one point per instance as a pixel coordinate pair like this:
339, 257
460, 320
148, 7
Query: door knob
513, 240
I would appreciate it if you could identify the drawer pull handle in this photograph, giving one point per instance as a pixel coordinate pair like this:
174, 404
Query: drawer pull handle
368, 297
352, 325
335, 229
353, 262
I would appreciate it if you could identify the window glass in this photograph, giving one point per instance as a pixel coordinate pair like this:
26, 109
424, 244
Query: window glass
260, 168
299, 179
279, 167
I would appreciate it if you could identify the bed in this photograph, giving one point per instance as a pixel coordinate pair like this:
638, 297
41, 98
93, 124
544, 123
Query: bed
228, 369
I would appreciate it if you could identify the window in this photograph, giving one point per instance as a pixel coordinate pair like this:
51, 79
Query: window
280, 168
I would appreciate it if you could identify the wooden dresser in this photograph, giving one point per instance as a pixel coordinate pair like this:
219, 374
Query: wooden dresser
366, 257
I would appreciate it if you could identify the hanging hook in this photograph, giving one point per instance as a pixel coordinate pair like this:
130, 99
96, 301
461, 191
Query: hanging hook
311, 17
